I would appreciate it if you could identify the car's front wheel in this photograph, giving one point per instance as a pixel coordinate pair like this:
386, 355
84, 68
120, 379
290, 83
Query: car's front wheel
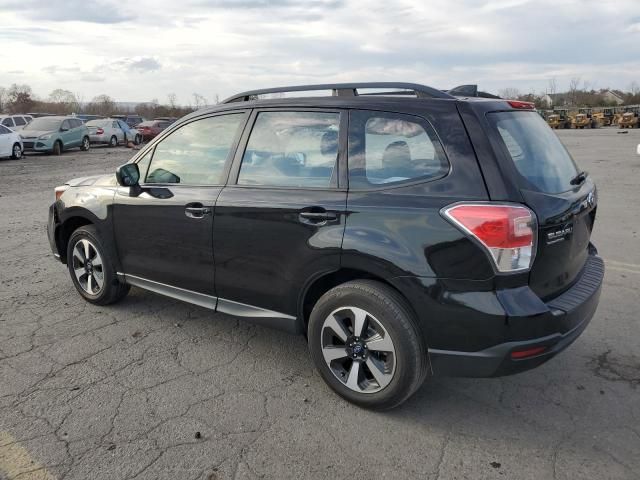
365, 343
113, 141
16, 151
91, 268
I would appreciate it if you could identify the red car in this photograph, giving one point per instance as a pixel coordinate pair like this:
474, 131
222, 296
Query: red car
151, 128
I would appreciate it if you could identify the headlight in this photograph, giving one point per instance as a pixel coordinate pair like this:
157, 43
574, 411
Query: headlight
44, 137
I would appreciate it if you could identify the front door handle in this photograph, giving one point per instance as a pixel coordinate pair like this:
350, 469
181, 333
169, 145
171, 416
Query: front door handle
196, 210
317, 216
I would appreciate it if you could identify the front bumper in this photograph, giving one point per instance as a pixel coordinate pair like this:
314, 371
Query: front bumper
570, 312
35, 145
52, 227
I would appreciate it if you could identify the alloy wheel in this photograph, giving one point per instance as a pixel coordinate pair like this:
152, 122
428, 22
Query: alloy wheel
87, 267
17, 151
358, 350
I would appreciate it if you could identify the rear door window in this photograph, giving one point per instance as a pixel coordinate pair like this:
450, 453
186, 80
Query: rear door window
291, 149
536, 151
388, 149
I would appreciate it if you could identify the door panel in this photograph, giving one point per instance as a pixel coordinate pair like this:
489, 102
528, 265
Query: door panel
266, 251
279, 225
158, 241
164, 227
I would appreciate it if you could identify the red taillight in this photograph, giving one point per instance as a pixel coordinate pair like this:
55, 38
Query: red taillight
521, 105
100, 131
508, 232
530, 352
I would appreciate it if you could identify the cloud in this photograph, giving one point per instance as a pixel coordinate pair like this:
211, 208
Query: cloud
94, 11
145, 64
224, 46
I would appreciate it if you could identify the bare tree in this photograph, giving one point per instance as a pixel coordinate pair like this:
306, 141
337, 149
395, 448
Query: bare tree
199, 100
64, 101
574, 86
19, 98
3, 98
509, 92
101, 105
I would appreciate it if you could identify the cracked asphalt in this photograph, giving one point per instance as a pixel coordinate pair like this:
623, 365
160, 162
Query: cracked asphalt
153, 388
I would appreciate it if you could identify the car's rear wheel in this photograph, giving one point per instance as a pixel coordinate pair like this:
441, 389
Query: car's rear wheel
91, 268
57, 148
16, 151
113, 141
365, 343
86, 144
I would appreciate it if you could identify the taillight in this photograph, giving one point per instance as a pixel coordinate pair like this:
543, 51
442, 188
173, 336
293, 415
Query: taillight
507, 232
60, 190
521, 105
100, 131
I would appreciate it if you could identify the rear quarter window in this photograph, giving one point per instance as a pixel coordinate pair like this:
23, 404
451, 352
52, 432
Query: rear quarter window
540, 158
389, 149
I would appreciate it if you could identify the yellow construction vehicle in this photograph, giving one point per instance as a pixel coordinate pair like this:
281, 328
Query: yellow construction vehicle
630, 118
584, 119
605, 116
559, 118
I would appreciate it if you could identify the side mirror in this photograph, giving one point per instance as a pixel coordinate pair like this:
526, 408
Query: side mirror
64, 129
128, 175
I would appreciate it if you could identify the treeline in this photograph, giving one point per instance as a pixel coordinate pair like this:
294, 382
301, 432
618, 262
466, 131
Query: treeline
579, 94
21, 99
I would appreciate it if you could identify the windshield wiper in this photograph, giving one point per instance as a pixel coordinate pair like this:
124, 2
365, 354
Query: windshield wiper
579, 178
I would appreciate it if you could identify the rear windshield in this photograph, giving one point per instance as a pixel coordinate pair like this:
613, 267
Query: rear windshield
536, 151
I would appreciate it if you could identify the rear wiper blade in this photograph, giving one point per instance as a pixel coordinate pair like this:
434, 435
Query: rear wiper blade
579, 178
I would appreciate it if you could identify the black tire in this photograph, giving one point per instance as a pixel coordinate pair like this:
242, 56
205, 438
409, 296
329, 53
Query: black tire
86, 144
390, 310
111, 290
113, 141
16, 151
57, 148
138, 140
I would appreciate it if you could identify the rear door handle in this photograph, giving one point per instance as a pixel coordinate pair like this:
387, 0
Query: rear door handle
317, 216
196, 210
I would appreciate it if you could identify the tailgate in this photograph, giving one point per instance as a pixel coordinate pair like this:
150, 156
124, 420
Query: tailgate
563, 199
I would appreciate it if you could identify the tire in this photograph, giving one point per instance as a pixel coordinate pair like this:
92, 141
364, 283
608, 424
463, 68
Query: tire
389, 326
113, 141
57, 148
16, 151
86, 144
96, 281
138, 140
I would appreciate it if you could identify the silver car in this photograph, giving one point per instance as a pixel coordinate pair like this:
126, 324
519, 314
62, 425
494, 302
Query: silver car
14, 122
105, 131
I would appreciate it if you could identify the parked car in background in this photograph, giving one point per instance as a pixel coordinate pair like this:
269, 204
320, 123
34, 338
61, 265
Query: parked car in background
130, 133
10, 143
130, 119
14, 122
151, 128
105, 131
85, 117
55, 134
166, 119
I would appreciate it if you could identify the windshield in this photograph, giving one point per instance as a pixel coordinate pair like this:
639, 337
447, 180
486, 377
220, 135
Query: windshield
44, 124
536, 151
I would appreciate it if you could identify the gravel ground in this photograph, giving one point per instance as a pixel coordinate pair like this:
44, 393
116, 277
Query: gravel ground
154, 388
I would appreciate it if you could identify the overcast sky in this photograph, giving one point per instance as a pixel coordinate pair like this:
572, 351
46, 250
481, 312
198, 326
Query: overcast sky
137, 50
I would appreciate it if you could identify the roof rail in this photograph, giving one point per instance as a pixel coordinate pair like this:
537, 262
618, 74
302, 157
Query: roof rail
343, 90
469, 91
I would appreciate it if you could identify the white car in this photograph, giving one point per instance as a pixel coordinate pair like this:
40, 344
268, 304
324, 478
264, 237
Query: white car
105, 130
15, 122
10, 143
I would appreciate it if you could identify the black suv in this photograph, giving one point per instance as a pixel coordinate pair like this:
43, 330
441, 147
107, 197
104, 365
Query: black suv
405, 230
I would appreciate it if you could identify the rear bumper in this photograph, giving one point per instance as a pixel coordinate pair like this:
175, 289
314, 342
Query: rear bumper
570, 312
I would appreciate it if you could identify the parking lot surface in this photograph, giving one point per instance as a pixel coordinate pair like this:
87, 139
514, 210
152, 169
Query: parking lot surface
155, 388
